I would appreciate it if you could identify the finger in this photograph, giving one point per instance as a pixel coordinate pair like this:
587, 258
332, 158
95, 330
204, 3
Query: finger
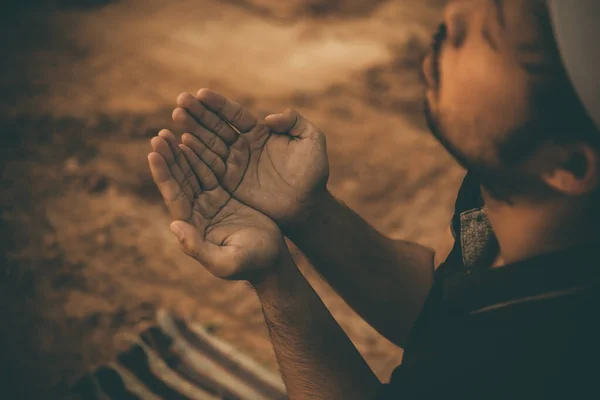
160, 146
201, 170
293, 124
221, 261
179, 205
207, 136
168, 136
208, 118
214, 162
214, 197
234, 113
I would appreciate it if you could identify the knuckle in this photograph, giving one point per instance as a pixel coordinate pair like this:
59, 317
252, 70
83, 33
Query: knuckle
238, 114
221, 150
219, 126
189, 249
211, 141
213, 161
201, 149
233, 157
189, 174
301, 130
262, 130
226, 153
199, 209
200, 112
192, 251
179, 195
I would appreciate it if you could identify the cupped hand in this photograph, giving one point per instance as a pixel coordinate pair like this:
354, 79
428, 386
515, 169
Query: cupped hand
278, 166
230, 239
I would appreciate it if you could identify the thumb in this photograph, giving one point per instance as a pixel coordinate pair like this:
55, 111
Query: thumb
290, 122
179, 229
216, 258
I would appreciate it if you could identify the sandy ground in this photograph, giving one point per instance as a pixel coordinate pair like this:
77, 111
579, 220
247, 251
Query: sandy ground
87, 254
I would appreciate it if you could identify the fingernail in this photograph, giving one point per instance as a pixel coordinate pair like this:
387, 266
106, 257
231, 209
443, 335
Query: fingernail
177, 231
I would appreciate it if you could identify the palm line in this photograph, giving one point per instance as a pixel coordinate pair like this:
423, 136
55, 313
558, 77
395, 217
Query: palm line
276, 170
262, 149
210, 222
243, 173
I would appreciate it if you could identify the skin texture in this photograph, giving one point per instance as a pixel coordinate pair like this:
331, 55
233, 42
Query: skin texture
235, 242
483, 83
278, 174
490, 58
361, 262
230, 239
316, 358
479, 52
385, 281
482, 78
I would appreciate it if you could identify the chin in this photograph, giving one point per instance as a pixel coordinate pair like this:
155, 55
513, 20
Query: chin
430, 115
431, 105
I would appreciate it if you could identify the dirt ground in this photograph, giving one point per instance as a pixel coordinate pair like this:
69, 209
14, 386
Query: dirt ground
87, 256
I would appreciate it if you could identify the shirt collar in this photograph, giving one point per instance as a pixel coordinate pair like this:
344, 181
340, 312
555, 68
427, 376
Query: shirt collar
543, 276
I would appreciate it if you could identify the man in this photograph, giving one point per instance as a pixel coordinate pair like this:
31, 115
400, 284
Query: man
512, 311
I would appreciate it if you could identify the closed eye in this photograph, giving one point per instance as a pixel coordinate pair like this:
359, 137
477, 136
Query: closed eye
485, 32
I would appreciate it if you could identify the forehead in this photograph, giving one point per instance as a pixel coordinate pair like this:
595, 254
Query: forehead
525, 21
522, 18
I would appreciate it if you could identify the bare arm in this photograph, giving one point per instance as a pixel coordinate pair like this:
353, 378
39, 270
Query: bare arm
279, 166
384, 280
316, 358
236, 242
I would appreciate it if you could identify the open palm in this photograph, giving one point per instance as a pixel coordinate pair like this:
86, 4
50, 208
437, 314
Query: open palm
232, 240
277, 168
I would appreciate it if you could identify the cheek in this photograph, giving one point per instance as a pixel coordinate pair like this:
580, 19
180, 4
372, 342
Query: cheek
481, 93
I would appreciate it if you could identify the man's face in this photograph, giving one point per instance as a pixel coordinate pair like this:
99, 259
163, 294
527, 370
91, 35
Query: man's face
486, 58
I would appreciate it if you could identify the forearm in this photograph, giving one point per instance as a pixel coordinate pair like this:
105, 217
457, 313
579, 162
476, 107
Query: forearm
384, 280
316, 358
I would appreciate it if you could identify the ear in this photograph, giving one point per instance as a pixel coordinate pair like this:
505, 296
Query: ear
573, 169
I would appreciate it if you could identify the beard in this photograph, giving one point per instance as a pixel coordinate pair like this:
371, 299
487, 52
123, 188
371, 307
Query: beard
502, 182
437, 132
505, 178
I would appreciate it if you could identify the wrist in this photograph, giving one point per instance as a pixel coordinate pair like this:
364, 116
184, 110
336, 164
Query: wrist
283, 271
318, 206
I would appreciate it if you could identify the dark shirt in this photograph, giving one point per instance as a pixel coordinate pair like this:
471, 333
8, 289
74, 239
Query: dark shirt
527, 330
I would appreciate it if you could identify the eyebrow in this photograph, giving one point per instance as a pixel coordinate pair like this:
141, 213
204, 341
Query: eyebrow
488, 38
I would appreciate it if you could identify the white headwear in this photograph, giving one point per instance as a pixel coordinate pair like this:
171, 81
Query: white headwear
577, 29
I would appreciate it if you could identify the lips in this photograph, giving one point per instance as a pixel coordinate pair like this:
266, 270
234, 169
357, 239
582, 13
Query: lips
428, 74
431, 70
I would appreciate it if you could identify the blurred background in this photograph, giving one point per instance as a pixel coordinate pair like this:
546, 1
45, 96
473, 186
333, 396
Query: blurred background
87, 256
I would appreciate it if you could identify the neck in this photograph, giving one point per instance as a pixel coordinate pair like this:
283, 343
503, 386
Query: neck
526, 230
